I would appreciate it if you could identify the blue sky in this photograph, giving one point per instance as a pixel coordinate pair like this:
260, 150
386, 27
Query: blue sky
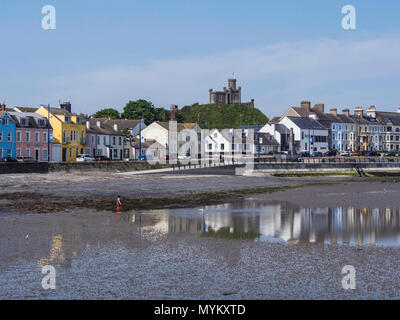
104, 53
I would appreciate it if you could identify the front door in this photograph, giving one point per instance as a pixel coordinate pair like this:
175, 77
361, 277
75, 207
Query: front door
37, 155
64, 154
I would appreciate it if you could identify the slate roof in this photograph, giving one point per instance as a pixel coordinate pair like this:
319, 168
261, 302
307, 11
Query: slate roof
30, 116
385, 117
266, 140
122, 123
307, 123
103, 129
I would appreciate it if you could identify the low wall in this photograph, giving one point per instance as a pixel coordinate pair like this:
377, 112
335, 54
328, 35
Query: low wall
324, 166
44, 167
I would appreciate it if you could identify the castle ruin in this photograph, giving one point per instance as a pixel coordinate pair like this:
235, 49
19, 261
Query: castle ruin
230, 95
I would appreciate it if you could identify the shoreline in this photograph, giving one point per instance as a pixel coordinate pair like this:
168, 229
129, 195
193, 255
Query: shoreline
42, 193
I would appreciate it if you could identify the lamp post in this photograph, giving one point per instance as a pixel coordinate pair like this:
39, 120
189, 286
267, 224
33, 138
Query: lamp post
140, 135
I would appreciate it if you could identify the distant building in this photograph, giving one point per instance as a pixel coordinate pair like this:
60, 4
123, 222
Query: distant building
230, 95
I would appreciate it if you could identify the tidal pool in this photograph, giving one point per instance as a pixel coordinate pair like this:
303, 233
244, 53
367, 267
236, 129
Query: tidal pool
255, 249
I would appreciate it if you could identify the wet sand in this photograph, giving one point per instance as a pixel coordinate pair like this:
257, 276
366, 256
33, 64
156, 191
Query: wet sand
102, 255
105, 256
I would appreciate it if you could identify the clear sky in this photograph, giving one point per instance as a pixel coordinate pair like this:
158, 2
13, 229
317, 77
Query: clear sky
105, 53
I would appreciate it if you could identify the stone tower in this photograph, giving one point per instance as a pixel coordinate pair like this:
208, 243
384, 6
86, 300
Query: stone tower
230, 95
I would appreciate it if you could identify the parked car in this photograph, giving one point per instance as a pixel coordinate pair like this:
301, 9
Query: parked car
30, 160
373, 154
142, 158
304, 154
84, 158
20, 159
330, 153
345, 154
165, 157
316, 155
390, 154
9, 159
183, 157
360, 154
102, 158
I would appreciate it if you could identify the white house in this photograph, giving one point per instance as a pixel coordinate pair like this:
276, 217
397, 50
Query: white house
178, 138
309, 135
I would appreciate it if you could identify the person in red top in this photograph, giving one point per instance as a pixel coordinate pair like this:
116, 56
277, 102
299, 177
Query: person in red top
119, 203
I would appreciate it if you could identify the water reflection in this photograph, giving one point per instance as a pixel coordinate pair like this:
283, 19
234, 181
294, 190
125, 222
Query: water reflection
282, 221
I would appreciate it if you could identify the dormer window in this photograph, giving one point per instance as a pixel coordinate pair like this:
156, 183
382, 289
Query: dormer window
24, 122
67, 120
78, 120
41, 122
5, 121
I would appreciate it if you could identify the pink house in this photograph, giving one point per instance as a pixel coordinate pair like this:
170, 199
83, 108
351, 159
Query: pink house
32, 136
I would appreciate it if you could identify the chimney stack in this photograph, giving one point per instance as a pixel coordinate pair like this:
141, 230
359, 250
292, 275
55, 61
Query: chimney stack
98, 124
333, 111
116, 127
2, 108
88, 124
66, 106
306, 105
346, 112
320, 107
359, 111
174, 109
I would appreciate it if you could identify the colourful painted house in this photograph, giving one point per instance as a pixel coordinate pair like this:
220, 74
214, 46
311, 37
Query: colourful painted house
7, 134
69, 130
32, 136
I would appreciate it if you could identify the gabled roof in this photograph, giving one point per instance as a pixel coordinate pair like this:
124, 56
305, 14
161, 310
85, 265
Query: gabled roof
180, 126
385, 117
121, 123
267, 140
307, 123
103, 129
31, 117
24, 109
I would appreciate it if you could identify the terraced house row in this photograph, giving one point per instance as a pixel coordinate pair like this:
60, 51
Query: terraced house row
314, 130
59, 135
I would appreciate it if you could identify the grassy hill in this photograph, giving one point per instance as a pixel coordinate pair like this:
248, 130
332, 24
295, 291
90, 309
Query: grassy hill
222, 116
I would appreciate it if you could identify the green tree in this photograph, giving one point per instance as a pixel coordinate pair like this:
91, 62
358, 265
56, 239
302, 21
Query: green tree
107, 113
138, 109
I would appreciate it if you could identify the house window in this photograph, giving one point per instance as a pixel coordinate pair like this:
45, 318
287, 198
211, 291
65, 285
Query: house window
45, 139
114, 140
19, 152
1, 136
222, 146
120, 141
71, 136
18, 136
115, 153
210, 146
27, 152
28, 137
70, 153
37, 138
45, 155
9, 137
215, 135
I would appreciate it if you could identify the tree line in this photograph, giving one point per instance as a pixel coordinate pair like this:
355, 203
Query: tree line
207, 116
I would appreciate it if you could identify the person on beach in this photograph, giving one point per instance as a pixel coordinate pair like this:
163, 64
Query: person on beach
119, 203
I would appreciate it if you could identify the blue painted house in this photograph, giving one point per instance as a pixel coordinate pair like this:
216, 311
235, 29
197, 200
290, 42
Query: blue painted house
7, 134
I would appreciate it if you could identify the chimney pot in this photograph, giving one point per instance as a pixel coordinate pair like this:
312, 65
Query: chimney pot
320, 107
98, 124
306, 105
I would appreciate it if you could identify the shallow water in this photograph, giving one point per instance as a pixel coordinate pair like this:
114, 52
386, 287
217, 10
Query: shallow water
255, 249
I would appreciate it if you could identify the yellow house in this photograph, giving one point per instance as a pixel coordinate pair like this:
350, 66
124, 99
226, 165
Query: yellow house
68, 129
